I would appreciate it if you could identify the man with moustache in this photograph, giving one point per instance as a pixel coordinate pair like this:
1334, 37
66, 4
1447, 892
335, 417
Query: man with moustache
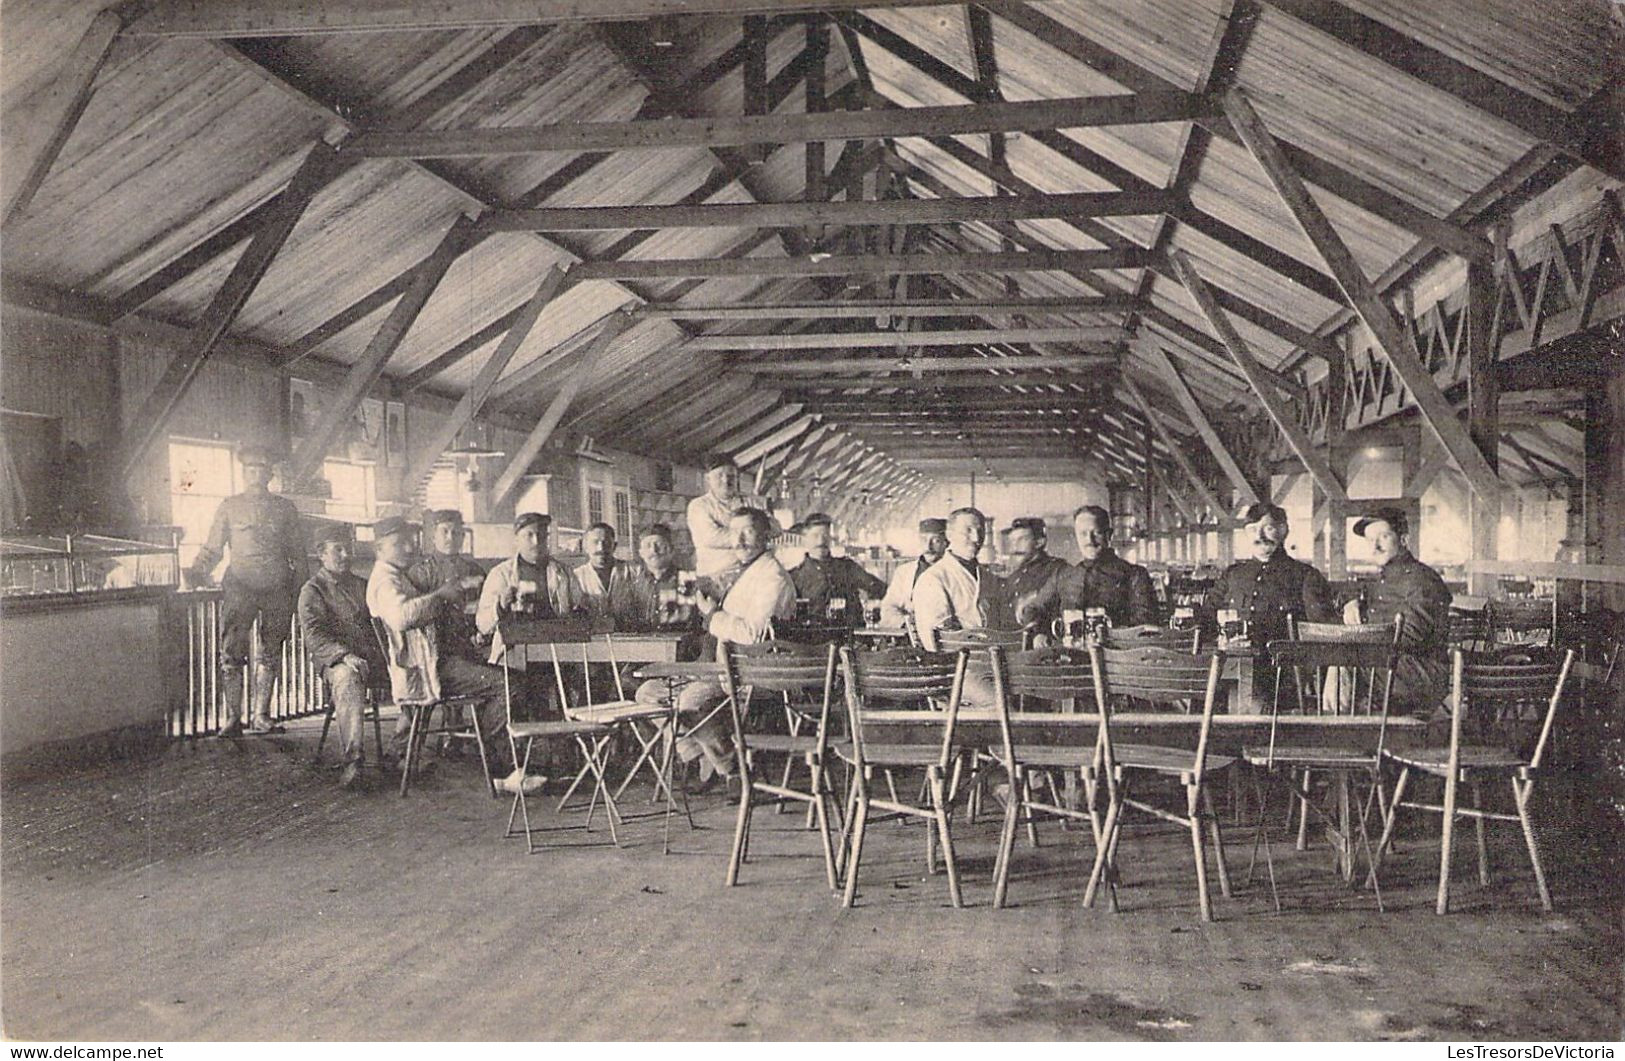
1033, 570
1412, 590
339, 637
1101, 579
822, 577
898, 603
446, 560
958, 592
605, 586
1270, 587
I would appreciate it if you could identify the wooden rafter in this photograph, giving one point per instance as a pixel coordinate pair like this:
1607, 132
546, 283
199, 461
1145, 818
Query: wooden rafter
862, 307
1204, 427
862, 265
1394, 339
822, 366
888, 339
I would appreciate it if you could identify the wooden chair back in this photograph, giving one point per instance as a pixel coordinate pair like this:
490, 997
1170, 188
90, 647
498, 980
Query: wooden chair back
550, 634
1498, 687
908, 679
978, 638
1147, 636
1158, 676
1531, 621
1053, 673
783, 667
1314, 670
1345, 633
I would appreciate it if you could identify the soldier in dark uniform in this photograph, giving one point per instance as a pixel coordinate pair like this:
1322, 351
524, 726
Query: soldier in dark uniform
1102, 579
821, 578
1033, 571
339, 637
1270, 586
267, 568
898, 604
442, 561
1414, 591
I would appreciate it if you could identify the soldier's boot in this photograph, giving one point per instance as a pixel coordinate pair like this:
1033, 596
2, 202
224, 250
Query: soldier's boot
264, 685
231, 688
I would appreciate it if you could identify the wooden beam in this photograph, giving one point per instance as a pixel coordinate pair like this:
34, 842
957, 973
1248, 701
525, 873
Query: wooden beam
36, 134
1483, 415
1204, 427
821, 366
1313, 459
1394, 338
370, 365
956, 404
520, 461
865, 265
862, 308
758, 427
149, 423
805, 387
295, 18
818, 212
773, 441
890, 339
740, 130
552, 285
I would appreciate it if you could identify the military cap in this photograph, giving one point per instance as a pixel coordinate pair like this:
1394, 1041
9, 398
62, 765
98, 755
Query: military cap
390, 526
525, 519
1391, 516
436, 516
1263, 510
329, 532
817, 519
1031, 523
934, 525
719, 460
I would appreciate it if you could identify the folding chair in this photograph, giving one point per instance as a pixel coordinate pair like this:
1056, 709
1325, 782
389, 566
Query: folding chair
1305, 668
420, 725
591, 738
622, 714
791, 670
1159, 676
1494, 688
1053, 673
976, 640
916, 678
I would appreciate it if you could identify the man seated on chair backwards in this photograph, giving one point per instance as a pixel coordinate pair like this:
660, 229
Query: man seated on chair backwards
338, 635
418, 671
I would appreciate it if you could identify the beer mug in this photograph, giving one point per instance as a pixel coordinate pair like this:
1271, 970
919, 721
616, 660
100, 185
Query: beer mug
836, 609
1096, 622
1232, 627
871, 613
1184, 618
685, 586
1069, 629
525, 598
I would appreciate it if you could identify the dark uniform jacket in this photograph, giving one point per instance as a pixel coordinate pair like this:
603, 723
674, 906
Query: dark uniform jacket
671, 617
1411, 589
817, 581
1266, 592
333, 614
267, 544
1032, 589
453, 623
1112, 583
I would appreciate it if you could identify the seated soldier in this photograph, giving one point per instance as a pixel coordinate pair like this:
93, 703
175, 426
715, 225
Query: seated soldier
822, 577
1033, 573
897, 608
339, 637
418, 671
606, 587
1408, 588
444, 560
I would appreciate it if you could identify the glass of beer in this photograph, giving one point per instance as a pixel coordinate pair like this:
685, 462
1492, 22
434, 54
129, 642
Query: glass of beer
1097, 622
526, 596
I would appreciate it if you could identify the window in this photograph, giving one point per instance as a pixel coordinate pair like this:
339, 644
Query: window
623, 516
201, 475
595, 505
353, 497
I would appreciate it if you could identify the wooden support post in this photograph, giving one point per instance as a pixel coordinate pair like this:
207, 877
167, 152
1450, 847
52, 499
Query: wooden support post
417, 467
520, 461
1337, 509
152, 419
36, 135
1396, 342
1483, 417
1312, 458
370, 366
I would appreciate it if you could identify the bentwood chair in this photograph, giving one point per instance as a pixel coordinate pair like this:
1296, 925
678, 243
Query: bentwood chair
792, 671
1050, 674
1164, 678
876, 683
1303, 669
454, 725
592, 738
1493, 689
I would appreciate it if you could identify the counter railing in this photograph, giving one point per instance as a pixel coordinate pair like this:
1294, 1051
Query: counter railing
299, 691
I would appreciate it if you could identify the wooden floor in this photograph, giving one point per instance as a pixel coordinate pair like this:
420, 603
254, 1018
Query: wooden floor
220, 892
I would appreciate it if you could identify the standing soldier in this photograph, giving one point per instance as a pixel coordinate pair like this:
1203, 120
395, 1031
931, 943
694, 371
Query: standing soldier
261, 582
711, 514
821, 578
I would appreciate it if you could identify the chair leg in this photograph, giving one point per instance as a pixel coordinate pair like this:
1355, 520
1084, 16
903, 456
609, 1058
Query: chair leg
1478, 830
1384, 844
821, 810
860, 818
485, 760
1007, 843
1218, 842
1103, 850
327, 724
1448, 834
1365, 836
1024, 795
843, 850
1303, 815
1521, 791
1193, 818
377, 733
413, 740
939, 805
741, 822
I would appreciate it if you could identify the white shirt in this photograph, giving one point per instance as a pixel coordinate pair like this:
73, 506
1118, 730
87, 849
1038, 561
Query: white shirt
948, 593
762, 593
708, 518
898, 603
408, 617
